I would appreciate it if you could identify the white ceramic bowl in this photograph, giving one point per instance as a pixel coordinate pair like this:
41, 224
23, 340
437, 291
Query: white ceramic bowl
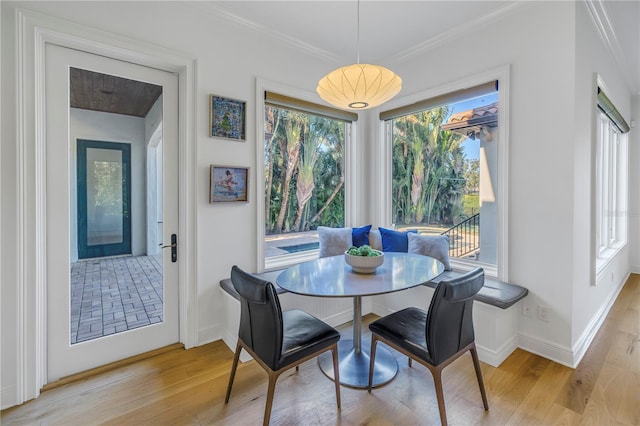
364, 264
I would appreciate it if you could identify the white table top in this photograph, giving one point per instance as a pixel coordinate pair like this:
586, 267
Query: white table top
332, 277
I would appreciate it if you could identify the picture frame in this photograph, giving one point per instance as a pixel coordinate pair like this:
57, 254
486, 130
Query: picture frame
227, 118
229, 184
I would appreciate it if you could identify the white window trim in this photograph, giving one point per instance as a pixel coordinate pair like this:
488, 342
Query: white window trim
383, 199
279, 262
603, 256
617, 236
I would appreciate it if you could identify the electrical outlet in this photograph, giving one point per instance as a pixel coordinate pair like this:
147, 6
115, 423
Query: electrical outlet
526, 309
543, 313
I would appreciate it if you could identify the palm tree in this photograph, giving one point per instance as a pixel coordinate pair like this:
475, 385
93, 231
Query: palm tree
333, 139
306, 164
293, 126
424, 166
272, 125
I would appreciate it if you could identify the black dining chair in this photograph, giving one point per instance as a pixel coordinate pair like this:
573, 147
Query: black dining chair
438, 337
277, 340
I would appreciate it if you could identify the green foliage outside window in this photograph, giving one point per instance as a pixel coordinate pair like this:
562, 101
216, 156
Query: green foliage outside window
431, 175
304, 171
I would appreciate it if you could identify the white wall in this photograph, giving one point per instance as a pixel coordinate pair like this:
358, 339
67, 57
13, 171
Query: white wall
229, 58
634, 187
540, 145
537, 41
9, 294
593, 295
107, 127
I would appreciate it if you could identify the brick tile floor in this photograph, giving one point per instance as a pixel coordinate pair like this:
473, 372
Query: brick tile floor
113, 295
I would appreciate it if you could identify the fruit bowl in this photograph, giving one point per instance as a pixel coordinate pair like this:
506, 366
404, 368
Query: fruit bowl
364, 264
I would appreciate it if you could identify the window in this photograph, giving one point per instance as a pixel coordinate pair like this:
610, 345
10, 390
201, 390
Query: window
611, 181
445, 170
304, 175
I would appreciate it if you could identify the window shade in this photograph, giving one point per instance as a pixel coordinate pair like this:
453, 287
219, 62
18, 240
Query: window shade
606, 106
277, 100
448, 98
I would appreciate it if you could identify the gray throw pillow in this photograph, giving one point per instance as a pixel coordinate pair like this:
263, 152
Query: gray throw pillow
334, 241
375, 239
436, 246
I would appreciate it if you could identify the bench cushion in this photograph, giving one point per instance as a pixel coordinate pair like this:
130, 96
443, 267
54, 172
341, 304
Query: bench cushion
494, 292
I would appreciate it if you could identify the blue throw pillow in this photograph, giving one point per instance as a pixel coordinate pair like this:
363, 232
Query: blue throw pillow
394, 240
360, 236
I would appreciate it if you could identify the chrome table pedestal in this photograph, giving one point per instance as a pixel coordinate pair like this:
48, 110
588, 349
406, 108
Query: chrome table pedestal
353, 358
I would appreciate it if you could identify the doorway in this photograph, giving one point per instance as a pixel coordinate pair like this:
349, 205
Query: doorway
113, 286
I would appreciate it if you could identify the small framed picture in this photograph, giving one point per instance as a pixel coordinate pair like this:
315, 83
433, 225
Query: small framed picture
227, 118
229, 184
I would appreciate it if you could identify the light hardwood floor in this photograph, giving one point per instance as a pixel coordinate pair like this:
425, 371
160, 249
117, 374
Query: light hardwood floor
181, 387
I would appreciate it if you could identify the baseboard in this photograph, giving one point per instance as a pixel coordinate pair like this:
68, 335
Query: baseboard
209, 334
587, 336
9, 397
495, 357
545, 348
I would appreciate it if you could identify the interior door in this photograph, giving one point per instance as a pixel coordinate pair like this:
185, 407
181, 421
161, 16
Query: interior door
66, 353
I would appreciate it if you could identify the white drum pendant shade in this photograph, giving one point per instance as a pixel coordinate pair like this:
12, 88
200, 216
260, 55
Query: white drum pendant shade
359, 86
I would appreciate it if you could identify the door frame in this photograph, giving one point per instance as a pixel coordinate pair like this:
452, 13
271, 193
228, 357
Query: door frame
34, 32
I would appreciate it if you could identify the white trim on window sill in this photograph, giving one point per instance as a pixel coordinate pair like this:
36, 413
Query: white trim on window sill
605, 257
286, 260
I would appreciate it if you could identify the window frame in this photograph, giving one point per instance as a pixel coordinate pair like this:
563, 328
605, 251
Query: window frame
502, 75
611, 191
285, 260
616, 229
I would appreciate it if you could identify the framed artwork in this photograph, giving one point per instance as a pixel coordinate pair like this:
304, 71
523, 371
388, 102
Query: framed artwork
229, 184
227, 118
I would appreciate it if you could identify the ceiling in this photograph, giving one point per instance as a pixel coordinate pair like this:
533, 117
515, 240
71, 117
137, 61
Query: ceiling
329, 29
107, 93
393, 29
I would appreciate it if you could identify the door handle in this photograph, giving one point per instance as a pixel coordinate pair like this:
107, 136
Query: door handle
174, 248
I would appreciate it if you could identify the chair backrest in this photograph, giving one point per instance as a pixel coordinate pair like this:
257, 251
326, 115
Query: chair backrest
450, 317
260, 316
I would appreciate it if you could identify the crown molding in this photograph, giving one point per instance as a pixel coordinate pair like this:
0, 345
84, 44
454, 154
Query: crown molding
607, 32
458, 31
216, 9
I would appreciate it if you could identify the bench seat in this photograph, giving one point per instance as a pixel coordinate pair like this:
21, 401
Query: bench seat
496, 293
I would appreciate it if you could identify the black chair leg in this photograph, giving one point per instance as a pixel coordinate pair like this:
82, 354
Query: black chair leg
476, 365
236, 357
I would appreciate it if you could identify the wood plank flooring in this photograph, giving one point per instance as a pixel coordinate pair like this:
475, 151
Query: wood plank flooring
181, 387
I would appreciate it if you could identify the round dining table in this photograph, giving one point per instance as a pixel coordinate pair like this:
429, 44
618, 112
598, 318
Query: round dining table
333, 277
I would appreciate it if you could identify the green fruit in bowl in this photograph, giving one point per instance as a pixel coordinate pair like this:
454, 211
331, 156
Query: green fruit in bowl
365, 251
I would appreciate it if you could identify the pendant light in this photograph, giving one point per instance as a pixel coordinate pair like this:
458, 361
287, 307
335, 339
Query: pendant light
359, 86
